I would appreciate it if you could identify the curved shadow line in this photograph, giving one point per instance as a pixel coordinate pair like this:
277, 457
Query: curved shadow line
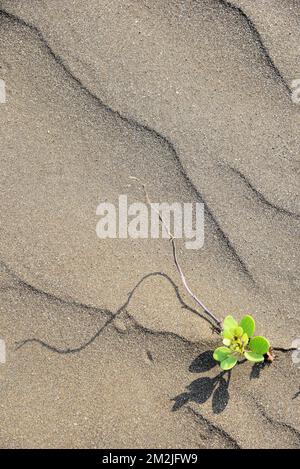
214, 428
255, 32
140, 126
276, 423
50, 296
258, 194
114, 315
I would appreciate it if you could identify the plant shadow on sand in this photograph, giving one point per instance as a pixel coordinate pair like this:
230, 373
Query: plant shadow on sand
256, 370
201, 389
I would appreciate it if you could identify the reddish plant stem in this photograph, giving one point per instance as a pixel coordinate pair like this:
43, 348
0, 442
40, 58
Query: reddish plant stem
178, 267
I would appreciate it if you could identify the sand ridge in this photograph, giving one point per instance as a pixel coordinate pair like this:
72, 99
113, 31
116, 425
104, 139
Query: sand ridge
191, 102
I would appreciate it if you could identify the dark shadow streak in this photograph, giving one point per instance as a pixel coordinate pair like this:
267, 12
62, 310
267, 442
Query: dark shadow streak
284, 350
259, 195
297, 394
256, 34
276, 423
112, 316
256, 369
49, 296
213, 428
139, 126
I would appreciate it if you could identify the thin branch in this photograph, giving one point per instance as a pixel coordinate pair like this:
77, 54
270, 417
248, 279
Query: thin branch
179, 269
185, 284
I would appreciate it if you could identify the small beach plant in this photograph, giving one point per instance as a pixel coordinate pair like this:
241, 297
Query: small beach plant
240, 343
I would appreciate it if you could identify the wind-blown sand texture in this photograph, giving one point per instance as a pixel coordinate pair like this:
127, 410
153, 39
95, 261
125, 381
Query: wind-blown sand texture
194, 99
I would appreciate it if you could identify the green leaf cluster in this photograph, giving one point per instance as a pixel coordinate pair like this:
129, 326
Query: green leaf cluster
239, 342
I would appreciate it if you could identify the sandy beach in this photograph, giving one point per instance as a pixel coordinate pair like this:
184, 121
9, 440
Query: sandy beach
194, 99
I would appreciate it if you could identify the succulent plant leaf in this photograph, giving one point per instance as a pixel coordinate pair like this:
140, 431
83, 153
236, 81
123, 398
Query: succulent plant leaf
228, 362
227, 342
248, 324
221, 353
238, 331
259, 345
245, 338
238, 341
229, 323
254, 357
227, 334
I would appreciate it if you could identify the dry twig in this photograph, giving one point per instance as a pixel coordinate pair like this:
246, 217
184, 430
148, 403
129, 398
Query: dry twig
179, 269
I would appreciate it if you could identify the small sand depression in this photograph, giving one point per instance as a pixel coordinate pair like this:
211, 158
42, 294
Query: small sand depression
193, 99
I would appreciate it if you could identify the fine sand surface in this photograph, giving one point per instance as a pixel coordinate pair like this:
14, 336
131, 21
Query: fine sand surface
194, 99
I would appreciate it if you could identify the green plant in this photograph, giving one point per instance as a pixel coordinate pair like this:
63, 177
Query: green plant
239, 343
238, 339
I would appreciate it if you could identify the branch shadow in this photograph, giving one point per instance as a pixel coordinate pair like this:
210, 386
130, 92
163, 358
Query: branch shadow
113, 315
297, 394
201, 389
